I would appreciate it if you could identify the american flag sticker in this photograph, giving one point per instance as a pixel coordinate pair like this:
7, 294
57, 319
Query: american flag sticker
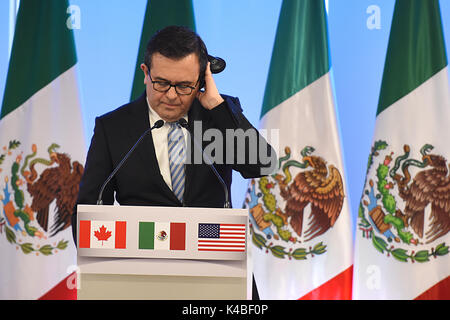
221, 237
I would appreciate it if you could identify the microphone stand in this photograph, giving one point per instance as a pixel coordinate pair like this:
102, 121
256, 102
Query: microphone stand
183, 123
158, 124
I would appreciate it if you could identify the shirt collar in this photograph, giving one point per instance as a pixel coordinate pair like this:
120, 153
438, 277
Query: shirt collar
154, 116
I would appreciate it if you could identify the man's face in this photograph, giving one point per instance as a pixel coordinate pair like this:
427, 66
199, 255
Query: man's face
170, 105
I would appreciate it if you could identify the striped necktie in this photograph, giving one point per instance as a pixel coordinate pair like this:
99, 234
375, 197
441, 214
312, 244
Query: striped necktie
177, 158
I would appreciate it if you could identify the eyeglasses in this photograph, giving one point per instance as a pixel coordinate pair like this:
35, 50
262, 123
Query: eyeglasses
164, 86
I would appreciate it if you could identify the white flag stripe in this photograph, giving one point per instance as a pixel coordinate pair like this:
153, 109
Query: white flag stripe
226, 237
232, 233
162, 236
221, 245
98, 230
219, 241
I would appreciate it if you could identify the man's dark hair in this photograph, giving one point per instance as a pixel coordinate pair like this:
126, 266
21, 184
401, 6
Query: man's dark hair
177, 42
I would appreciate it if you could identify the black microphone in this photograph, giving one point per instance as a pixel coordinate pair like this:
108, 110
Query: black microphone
217, 64
158, 124
183, 123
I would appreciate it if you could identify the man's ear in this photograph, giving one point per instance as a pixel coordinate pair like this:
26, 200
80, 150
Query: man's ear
145, 70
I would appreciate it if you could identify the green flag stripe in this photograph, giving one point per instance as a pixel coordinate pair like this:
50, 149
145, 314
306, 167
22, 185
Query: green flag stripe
416, 49
300, 52
146, 235
160, 14
43, 48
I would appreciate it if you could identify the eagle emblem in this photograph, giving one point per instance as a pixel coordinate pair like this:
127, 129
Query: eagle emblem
286, 210
406, 203
37, 197
162, 236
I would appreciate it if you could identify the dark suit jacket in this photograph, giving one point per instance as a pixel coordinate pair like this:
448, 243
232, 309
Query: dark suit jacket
139, 181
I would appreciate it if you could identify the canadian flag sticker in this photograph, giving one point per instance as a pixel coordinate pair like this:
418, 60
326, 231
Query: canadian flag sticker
103, 234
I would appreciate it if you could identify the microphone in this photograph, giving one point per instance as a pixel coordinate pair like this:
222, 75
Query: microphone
158, 124
217, 64
183, 123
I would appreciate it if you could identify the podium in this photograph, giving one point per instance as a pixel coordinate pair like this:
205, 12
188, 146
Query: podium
170, 253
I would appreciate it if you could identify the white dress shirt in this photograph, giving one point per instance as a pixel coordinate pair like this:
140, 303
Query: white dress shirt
161, 144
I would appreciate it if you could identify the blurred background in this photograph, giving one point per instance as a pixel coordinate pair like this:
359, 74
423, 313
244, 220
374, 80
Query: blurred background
241, 32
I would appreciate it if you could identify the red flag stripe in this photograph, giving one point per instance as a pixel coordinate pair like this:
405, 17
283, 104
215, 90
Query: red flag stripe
121, 235
232, 227
177, 236
62, 291
440, 291
232, 237
220, 241
85, 234
222, 245
337, 288
233, 233
230, 250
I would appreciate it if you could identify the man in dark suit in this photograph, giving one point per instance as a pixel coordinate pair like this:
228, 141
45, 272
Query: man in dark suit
175, 68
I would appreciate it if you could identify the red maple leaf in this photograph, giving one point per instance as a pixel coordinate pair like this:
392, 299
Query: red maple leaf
102, 234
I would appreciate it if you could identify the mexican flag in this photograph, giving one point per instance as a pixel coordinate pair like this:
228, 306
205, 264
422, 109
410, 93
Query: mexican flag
159, 14
41, 150
402, 241
162, 235
299, 216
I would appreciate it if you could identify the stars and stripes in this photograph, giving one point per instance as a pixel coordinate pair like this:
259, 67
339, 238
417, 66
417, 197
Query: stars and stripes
221, 237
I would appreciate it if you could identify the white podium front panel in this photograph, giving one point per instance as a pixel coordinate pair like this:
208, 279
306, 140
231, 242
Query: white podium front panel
162, 232
195, 253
